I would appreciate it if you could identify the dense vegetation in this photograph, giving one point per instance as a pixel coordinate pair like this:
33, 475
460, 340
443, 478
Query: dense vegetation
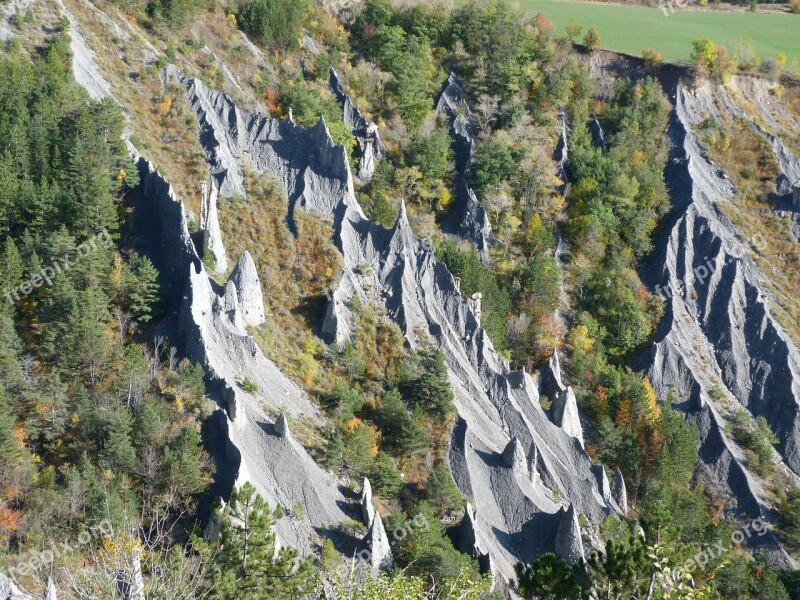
100, 425
96, 424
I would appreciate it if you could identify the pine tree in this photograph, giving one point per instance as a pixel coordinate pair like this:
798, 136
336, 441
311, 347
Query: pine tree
184, 460
141, 287
251, 566
11, 271
385, 478
442, 491
118, 451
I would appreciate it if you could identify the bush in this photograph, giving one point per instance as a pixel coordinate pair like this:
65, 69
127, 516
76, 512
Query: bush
592, 39
652, 58
249, 387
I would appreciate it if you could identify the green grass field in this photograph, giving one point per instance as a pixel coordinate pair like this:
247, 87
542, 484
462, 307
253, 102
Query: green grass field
630, 29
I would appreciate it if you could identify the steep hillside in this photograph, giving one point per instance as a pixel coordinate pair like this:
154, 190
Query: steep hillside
467, 300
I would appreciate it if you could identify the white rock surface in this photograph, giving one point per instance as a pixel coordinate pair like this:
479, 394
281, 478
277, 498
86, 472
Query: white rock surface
619, 491
380, 557
248, 289
420, 295
50, 592
568, 538
209, 223
213, 332
565, 414
9, 590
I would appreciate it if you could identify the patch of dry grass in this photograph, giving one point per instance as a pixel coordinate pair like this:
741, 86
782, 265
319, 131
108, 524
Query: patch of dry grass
296, 272
751, 164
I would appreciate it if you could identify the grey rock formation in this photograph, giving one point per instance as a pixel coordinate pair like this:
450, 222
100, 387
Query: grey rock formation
211, 327
562, 149
718, 332
366, 133
84, 64
50, 591
568, 537
602, 483
209, 223
565, 414
282, 426
420, 295
514, 455
248, 290
533, 463
465, 539
380, 557
550, 383
619, 491
9, 590
598, 135
468, 217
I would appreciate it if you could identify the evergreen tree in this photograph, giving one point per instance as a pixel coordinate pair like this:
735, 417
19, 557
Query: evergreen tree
442, 492
11, 271
118, 451
550, 578
250, 565
141, 287
385, 478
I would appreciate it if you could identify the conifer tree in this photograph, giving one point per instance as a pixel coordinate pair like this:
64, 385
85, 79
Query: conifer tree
250, 565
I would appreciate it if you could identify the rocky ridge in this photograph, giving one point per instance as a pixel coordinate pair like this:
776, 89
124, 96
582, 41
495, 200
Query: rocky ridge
421, 296
719, 344
468, 217
365, 133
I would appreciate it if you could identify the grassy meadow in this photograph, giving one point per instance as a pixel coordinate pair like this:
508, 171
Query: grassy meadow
630, 29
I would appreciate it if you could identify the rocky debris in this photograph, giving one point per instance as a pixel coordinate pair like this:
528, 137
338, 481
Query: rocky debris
565, 414
514, 455
282, 426
468, 217
420, 295
619, 491
7, 13
602, 482
366, 133
209, 223
9, 590
568, 537
310, 45
230, 305
248, 290
84, 64
718, 332
598, 136
475, 305
465, 539
211, 327
50, 591
380, 552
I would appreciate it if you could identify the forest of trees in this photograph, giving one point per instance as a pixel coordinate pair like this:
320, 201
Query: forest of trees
101, 423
